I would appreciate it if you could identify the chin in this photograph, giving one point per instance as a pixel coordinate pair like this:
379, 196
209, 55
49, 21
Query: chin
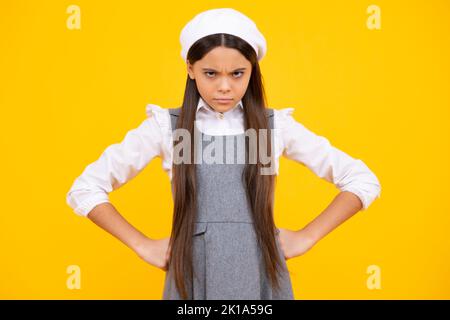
221, 108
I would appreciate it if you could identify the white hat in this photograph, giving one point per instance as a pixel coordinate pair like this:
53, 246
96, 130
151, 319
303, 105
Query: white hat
223, 20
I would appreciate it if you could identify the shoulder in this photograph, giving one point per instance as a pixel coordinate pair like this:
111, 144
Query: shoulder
283, 117
158, 115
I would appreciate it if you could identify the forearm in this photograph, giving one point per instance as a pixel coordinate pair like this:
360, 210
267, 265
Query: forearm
343, 206
109, 219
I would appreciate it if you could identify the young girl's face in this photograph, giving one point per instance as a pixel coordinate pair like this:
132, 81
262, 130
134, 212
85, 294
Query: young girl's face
223, 73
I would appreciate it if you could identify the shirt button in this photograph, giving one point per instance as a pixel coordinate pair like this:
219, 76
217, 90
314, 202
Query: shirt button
220, 115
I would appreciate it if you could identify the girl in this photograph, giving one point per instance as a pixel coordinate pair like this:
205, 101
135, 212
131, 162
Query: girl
223, 243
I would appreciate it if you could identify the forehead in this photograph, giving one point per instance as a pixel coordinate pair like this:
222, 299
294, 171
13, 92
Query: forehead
224, 58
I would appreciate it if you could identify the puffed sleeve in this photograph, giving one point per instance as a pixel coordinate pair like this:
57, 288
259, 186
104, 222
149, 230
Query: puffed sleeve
118, 164
326, 161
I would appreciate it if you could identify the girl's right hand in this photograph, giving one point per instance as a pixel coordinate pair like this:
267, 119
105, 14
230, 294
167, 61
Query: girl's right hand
155, 252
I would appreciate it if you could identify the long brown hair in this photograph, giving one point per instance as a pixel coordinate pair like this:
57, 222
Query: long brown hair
260, 188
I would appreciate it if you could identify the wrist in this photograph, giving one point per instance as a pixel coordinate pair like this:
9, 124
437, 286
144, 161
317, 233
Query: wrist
308, 236
140, 243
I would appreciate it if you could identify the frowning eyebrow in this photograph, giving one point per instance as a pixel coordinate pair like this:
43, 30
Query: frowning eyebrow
211, 69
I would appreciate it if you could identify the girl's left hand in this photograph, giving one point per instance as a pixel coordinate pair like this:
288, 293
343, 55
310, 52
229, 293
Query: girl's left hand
294, 243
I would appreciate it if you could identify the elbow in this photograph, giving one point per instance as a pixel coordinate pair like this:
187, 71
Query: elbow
83, 201
371, 190
73, 203
367, 187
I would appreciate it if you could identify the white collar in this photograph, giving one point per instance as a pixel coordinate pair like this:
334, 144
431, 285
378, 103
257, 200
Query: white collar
202, 104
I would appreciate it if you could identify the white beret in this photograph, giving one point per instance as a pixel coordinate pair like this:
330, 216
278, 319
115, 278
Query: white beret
223, 20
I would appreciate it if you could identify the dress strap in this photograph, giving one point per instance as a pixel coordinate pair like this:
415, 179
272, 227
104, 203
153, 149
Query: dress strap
174, 115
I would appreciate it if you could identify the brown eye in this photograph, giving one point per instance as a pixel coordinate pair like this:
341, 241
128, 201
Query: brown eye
239, 72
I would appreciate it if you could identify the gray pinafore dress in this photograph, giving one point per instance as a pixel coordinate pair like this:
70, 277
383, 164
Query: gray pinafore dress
227, 260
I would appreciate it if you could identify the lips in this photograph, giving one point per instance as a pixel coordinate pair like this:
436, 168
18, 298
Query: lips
223, 101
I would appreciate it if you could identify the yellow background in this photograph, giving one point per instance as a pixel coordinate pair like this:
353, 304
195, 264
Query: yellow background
380, 95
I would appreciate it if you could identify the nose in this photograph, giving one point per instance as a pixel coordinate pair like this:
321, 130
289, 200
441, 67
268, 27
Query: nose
224, 85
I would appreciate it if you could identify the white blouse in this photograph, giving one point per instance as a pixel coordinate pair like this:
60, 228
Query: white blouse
120, 162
